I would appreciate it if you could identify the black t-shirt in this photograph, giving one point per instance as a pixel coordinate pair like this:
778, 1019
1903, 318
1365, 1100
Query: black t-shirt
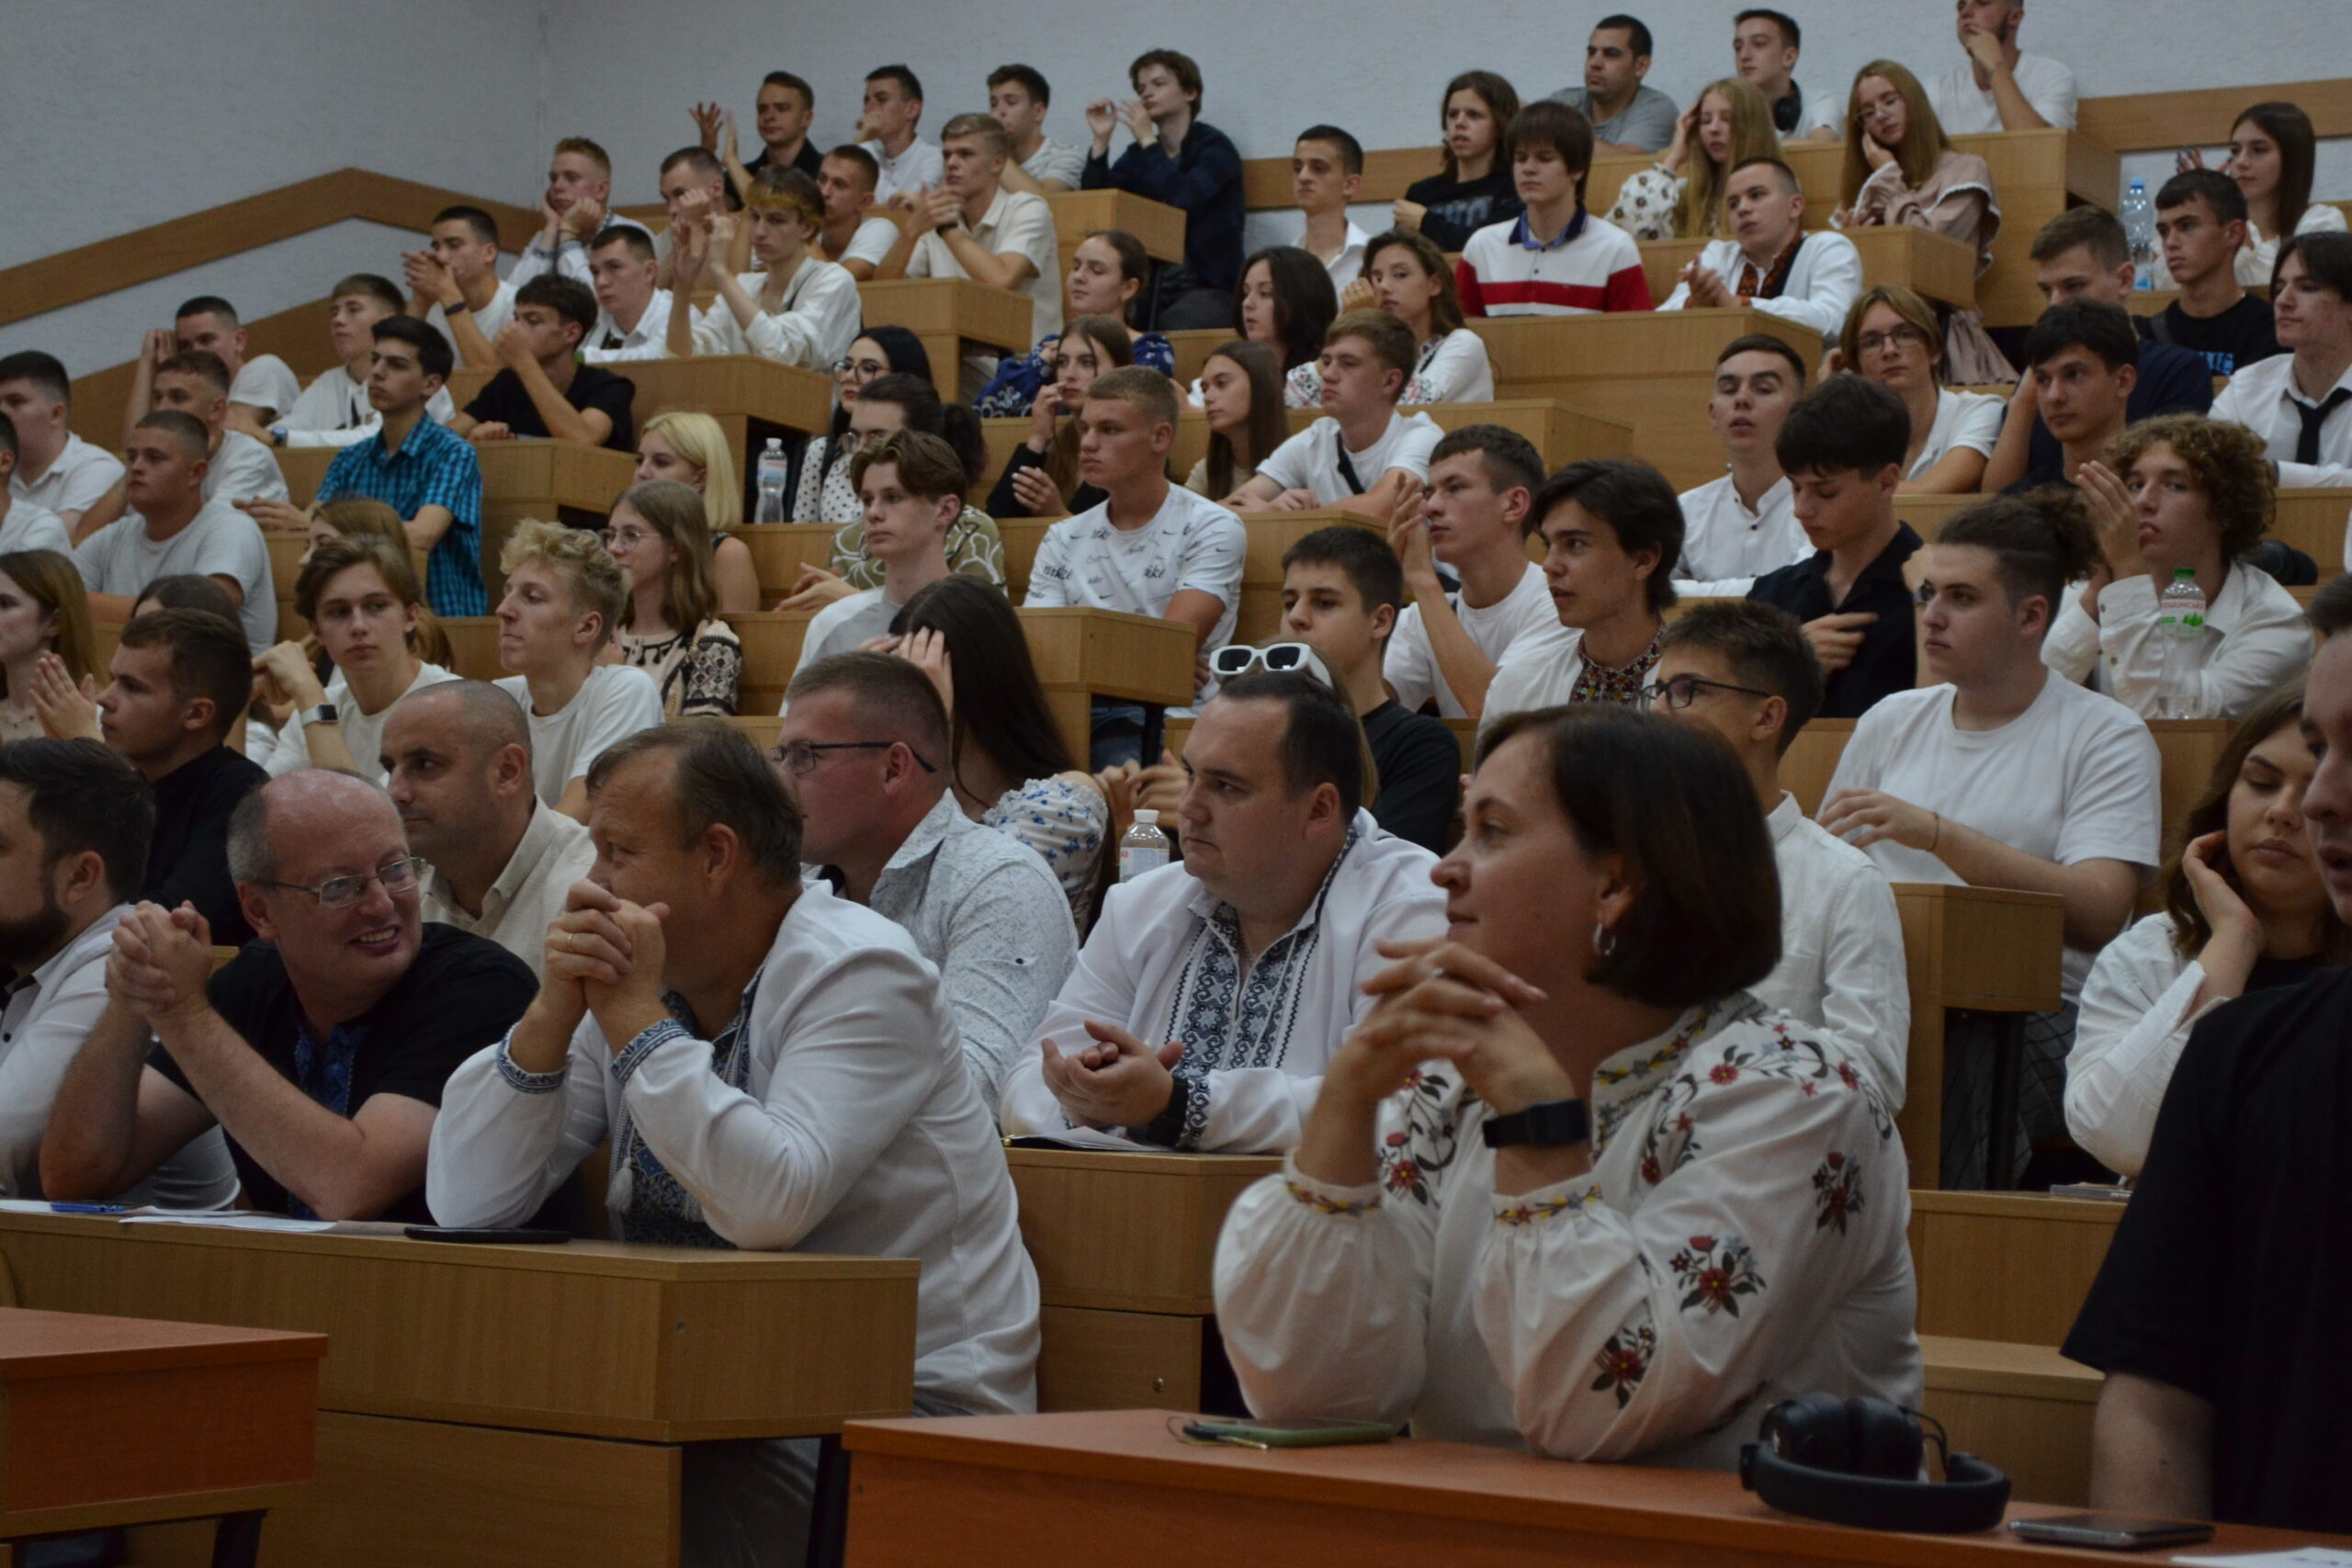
1888, 661
504, 401
2172, 380
2229, 1274
463, 992
2235, 338
188, 857
1420, 773
1459, 208
808, 161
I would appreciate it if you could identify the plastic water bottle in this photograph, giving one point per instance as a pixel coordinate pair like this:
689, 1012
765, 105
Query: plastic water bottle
1142, 847
774, 467
2139, 229
2180, 621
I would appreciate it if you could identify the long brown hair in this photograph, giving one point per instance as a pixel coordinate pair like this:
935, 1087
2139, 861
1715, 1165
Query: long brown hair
1445, 311
55, 585
2289, 126
1700, 214
676, 512
1503, 101
1268, 421
1924, 141
1109, 337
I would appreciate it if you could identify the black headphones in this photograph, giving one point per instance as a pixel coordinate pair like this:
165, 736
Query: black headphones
1856, 1462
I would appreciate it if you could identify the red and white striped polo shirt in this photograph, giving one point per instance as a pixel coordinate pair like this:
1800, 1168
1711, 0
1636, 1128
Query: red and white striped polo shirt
1591, 267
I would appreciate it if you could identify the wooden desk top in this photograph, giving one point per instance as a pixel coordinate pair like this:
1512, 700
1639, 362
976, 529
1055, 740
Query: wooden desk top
548, 473
1078, 213
1934, 266
1622, 345
1128, 1232
35, 1345
998, 318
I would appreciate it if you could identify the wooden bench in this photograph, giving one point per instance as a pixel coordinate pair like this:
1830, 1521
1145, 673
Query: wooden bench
955, 319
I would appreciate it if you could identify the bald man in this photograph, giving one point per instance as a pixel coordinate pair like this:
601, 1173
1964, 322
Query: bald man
320, 1049
457, 761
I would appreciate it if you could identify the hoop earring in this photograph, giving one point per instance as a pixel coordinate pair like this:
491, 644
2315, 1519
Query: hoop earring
1604, 940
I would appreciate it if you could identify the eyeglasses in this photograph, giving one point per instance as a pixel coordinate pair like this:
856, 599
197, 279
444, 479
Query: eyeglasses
800, 758
860, 370
1681, 691
343, 892
1239, 658
623, 538
1870, 343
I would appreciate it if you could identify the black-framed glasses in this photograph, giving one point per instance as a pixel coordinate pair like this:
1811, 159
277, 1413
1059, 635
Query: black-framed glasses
860, 370
343, 892
800, 758
1894, 338
1680, 692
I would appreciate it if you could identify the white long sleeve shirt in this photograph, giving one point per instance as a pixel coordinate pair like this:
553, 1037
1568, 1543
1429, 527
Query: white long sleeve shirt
1163, 962
2132, 1025
1823, 282
333, 411
813, 326
1725, 546
1739, 1240
2254, 638
854, 1130
1841, 947
606, 343
2264, 397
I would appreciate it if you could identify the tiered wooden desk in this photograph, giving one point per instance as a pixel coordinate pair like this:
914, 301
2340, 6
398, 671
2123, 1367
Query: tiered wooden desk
108, 1421
1933, 265
505, 1405
753, 398
2313, 521
954, 318
1121, 1491
1078, 213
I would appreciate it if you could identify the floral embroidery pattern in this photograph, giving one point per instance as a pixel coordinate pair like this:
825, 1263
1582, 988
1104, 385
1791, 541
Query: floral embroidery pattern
1715, 1271
1324, 1204
1624, 1360
1544, 1209
1837, 1192
1426, 1144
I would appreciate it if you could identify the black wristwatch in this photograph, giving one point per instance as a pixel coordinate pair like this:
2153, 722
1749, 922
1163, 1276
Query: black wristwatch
1554, 1124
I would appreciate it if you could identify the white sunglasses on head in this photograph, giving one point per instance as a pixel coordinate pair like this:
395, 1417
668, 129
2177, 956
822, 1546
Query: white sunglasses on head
1239, 659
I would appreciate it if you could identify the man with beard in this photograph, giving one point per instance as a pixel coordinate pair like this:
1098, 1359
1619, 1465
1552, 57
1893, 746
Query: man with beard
74, 821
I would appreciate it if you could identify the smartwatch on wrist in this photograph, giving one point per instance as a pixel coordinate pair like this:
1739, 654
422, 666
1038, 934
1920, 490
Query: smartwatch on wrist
326, 713
452, 310
1554, 1124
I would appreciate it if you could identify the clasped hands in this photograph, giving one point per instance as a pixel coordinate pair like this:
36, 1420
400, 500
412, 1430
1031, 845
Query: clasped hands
1443, 1002
604, 956
161, 963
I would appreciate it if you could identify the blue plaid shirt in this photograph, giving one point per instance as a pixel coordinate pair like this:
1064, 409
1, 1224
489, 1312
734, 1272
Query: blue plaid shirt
433, 468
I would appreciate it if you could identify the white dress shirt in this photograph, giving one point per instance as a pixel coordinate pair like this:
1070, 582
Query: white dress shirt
1409, 664
1348, 265
988, 911
333, 411
2132, 1026
1822, 285
2254, 638
845, 1123
811, 327
29, 527
1016, 223
1725, 546
554, 853
1966, 109
2264, 397
607, 344
265, 381
1164, 963
921, 164
1739, 1240
1841, 947
76, 480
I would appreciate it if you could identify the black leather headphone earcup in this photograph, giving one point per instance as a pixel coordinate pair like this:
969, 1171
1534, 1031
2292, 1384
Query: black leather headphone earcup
1890, 1446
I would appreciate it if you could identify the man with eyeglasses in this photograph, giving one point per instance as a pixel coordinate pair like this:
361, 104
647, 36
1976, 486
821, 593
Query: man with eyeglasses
321, 1050
864, 751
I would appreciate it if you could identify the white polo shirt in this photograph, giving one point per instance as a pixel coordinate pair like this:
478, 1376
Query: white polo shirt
1310, 460
1016, 223
1410, 667
79, 477
921, 164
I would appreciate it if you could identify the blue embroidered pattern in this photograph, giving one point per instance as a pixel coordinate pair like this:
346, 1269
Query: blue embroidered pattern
660, 1209
325, 1076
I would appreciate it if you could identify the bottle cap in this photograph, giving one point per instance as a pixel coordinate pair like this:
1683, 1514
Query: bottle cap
1146, 818
2188, 571
776, 444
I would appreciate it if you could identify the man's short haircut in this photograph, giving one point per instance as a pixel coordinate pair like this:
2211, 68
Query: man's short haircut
189, 590
1674, 802
567, 297
339, 554
701, 160
1547, 123
2229, 464
889, 703
1031, 80
2327, 260
187, 432
1509, 459
928, 467
1788, 176
2330, 607
208, 305
638, 243
1372, 568
83, 796
47, 375
790, 83
1641, 40
1146, 390
1848, 423
2086, 225
908, 83
1350, 150
720, 780
434, 354
1177, 64
597, 582
858, 158
1390, 339
1635, 501
209, 658
1790, 34
2105, 329
370, 286
1763, 647
1765, 343
2040, 541
202, 363
985, 129
2220, 194
484, 226
588, 150
1322, 742
485, 713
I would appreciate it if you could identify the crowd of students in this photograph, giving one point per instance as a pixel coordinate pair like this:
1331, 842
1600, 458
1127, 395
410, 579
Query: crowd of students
1584, 1067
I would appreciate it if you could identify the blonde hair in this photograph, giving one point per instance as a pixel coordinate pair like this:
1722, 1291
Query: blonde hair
1924, 141
1700, 214
676, 512
789, 190
56, 585
598, 584
698, 438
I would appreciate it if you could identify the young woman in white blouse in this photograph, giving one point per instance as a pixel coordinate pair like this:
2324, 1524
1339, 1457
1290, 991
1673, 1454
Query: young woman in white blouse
1569, 1187
1892, 337
690, 447
2181, 492
796, 308
2272, 152
2244, 910
1405, 274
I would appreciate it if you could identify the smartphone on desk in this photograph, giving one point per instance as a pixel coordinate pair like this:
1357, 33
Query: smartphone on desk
487, 1236
2109, 1532
1306, 1432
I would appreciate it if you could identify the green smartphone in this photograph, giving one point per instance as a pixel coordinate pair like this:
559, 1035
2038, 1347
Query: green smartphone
1306, 1432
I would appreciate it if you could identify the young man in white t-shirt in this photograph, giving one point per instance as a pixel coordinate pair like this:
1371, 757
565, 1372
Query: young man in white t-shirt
1738, 527
1764, 47
1473, 517
1361, 455
454, 284
907, 165
56, 469
2000, 88
912, 485
854, 235
170, 529
261, 385
1018, 98
1151, 548
2006, 776
970, 226
1325, 174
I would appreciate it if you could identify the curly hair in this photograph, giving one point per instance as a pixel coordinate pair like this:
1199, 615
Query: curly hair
595, 579
2227, 463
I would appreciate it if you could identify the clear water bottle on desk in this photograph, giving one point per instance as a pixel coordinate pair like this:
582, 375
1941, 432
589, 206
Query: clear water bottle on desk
2180, 621
2140, 230
1143, 847
773, 468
